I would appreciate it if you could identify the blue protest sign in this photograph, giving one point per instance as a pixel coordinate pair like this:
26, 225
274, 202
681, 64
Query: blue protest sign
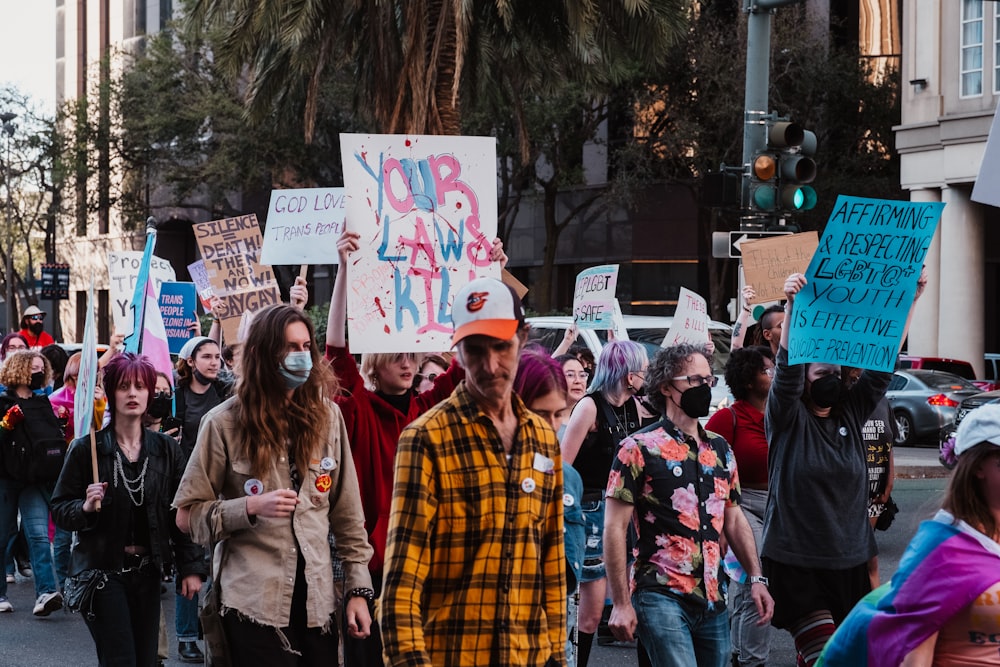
861, 283
178, 306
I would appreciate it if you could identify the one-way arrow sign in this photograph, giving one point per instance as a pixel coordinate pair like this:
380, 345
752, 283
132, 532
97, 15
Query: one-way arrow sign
737, 239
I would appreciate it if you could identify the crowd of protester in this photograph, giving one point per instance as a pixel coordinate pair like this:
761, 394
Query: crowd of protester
487, 505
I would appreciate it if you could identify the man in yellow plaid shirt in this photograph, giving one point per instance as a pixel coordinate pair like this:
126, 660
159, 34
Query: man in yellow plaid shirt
475, 567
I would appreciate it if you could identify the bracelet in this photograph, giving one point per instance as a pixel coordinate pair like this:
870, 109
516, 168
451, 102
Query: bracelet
365, 593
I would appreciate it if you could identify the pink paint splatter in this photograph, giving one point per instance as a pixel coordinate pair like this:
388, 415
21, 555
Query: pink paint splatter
381, 310
407, 142
386, 328
458, 204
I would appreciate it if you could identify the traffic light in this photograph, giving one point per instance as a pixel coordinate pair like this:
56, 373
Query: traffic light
795, 149
763, 192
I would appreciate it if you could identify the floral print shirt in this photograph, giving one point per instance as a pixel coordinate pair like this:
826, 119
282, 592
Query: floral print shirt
680, 489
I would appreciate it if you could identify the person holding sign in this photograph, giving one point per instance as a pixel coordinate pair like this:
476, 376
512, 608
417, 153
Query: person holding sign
603, 418
374, 419
817, 539
128, 540
270, 478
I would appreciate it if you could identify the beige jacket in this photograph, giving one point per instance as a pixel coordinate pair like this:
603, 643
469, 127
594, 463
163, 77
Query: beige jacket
260, 553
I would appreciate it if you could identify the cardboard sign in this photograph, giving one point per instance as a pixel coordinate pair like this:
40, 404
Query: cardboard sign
178, 307
690, 323
594, 297
202, 284
230, 249
123, 273
767, 263
861, 283
303, 226
425, 208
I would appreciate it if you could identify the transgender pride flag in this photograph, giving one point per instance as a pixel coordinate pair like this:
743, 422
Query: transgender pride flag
945, 568
149, 337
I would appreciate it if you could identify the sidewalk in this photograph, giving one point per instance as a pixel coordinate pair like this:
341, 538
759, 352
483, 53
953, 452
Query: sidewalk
918, 463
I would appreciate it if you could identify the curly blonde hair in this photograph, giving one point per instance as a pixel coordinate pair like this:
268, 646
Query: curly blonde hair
16, 368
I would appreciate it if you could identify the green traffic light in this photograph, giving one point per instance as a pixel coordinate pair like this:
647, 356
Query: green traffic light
765, 197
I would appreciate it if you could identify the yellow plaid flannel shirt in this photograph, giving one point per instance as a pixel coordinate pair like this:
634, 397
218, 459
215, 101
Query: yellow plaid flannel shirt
475, 568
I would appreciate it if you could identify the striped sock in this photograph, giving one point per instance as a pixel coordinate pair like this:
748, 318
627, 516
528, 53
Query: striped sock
811, 634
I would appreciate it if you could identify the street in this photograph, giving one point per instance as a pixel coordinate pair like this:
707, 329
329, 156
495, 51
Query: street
62, 640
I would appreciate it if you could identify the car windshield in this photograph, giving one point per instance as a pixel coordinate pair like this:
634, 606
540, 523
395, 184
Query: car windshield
961, 370
652, 337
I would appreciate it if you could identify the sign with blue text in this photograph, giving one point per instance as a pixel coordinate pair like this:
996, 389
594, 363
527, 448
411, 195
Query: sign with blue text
426, 210
594, 297
178, 307
861, 283
303, 226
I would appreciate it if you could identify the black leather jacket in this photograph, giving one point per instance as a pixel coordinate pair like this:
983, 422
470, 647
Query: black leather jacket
102, 535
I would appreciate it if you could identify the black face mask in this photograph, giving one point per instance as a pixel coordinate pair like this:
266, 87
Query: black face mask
201, 378
160, 406
696, 401
827, 391
37, 381
36, 327
639, 391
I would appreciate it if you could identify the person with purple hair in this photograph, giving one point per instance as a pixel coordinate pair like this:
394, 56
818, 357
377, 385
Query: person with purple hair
609, 412
127, 537
541, 384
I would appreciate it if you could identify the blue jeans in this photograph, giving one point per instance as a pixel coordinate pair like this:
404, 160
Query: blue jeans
33, 502
593, 552
676, 634
61, 545
186, 618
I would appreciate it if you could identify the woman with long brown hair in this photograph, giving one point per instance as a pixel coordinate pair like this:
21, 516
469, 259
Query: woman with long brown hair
269, 473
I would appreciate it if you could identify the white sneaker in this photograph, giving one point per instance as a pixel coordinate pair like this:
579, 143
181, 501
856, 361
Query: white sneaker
5, 605
47, 603
11, 579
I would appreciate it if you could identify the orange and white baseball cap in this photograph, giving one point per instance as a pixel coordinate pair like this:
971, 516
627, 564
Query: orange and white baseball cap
488, 307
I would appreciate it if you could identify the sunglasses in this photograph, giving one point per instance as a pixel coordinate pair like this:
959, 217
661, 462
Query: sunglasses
36, 318
430, 377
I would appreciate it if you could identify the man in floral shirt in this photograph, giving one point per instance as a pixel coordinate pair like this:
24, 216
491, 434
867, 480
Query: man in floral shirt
679, 486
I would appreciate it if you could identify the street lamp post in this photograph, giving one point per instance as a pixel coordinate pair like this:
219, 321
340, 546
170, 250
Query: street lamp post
8, 129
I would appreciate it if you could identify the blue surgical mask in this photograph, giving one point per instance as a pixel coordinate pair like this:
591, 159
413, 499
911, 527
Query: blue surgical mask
296, 368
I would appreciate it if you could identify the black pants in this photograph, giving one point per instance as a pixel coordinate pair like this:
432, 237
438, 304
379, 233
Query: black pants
365, 652
254, 644
127, 619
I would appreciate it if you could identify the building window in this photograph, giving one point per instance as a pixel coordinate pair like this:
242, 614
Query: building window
996, 48
972, 48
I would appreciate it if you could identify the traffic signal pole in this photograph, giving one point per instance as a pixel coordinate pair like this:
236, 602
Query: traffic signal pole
755, 111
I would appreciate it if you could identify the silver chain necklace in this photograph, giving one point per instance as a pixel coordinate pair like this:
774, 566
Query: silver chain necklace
132, 486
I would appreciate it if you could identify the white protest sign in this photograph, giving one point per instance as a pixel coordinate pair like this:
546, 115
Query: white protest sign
426, 210
690, 323
618, 323
123, 273
303, 226
199, 275
594, 297
986, 190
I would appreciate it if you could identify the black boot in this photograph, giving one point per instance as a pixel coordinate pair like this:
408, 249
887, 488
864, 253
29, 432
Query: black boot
189, 652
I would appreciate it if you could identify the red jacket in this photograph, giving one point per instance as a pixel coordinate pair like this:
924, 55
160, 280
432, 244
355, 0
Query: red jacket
42, 340
374, 427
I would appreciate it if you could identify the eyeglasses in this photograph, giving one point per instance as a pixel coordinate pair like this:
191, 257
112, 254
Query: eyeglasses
698, 380
36, 318
163, 394
430, 377
577, 375
769, 372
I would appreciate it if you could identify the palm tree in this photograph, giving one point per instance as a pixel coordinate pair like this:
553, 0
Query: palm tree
410, 57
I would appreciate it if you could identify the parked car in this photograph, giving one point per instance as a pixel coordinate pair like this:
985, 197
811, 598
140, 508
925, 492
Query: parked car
924, 403
964, 408
991, 368
650, 330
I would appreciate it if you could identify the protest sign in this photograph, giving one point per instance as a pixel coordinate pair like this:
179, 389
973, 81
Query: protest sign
690, 323
178, 307
201, 283
123, 273
425, 208
768, 262
303, 226
594, 297
861, 283
985, 190
230, 249
618, 323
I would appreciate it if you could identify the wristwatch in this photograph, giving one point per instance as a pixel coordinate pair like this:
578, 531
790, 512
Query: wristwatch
756, 579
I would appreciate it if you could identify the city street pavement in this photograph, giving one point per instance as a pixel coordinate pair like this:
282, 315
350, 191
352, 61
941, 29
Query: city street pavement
62, 640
